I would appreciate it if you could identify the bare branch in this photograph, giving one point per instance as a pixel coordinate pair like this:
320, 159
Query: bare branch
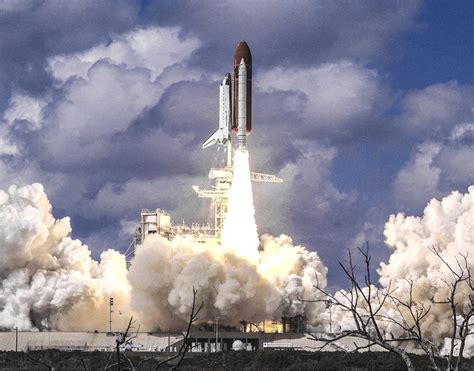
193, 317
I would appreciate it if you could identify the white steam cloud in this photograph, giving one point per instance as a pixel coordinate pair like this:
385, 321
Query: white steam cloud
163, 273
447, 226
236, 281
45, 275
49, 280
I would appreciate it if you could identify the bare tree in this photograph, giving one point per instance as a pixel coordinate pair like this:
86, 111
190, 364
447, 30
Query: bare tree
462, 316
365, 303
193, 317
410, 321
41, 358
122, 339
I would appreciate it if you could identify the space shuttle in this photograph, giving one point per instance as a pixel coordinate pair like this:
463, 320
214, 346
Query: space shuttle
235, 110
222, 135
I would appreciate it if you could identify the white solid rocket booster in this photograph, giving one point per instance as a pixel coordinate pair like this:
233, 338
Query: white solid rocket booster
242, 114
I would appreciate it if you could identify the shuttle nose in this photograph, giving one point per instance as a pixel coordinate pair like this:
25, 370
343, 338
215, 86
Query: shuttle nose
242, 51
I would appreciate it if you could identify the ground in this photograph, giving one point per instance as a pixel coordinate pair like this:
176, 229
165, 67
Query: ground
258, 360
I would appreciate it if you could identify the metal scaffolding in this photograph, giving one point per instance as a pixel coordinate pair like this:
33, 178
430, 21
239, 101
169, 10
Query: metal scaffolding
219, 194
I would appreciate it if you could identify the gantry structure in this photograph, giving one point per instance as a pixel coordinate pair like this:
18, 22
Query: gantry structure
220, 191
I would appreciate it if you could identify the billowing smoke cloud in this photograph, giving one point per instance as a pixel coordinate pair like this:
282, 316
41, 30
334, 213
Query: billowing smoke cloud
235, 281
448, 227
232, 287
49, 280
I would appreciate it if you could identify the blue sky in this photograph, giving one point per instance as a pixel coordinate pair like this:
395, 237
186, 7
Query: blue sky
364, 108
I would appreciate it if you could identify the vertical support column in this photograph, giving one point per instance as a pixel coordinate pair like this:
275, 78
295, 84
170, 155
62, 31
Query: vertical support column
111, 303
242, 118
217, 333
169, 343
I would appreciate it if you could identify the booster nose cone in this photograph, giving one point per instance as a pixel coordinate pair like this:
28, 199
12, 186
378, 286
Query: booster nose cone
242, 51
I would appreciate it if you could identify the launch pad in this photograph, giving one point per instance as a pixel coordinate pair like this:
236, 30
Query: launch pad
159, 221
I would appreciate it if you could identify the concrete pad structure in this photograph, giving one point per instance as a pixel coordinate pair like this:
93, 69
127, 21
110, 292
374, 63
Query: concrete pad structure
85, 341
198, 341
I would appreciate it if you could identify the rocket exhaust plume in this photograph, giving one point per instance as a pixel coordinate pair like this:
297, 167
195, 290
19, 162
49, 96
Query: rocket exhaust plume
236, 281
50, 281
448, 226
240, 229
232, 287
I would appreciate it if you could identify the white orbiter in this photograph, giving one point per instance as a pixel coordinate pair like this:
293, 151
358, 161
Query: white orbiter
222, 135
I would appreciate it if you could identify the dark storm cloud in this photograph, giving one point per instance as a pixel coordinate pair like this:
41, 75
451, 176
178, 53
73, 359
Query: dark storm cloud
102, 125
157, 143
289, 32
336, 102
433, 111
437, 120
33, 30
188, 108
276, 128
309, 207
